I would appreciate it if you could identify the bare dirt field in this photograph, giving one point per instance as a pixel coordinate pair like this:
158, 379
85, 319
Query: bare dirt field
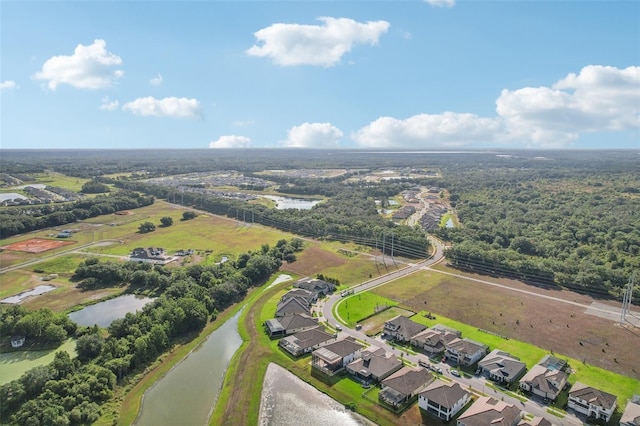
36, 245
569, 329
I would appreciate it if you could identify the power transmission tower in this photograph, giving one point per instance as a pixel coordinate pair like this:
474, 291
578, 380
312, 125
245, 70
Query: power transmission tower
626, 298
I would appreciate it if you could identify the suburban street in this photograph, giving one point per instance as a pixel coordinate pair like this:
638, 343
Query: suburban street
479, 384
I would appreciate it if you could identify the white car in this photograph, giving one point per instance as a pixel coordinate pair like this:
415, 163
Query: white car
455, 373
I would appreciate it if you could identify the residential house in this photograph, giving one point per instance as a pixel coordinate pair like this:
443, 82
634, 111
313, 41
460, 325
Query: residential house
535, 421
631, 414
292, 306
320, 287
404, 385
155, 255
332, 358
402, 328
289, 324
544, 382
17, 341
501, 366
465, 351
306, 341
443, 400
591, 402
307, 296
433, 340
374, 365
489, 411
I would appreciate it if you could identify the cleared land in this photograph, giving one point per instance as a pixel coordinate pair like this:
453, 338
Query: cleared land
36, 245
551, 325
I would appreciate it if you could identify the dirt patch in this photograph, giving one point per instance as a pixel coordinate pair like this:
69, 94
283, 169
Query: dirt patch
124, 213
312, 260
563, 328
36, 245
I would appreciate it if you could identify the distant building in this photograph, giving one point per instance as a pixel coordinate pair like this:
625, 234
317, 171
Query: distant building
155, 255
17, 341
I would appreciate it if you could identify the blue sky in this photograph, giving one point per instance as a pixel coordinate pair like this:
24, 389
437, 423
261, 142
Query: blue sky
320, 74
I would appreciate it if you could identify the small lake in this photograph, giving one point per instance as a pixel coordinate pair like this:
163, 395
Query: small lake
104, 313
288, 401
187, 394
291, 203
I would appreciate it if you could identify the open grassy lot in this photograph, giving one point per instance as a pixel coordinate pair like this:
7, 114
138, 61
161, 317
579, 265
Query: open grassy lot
358, 307
58, 179
374, 325
14, 364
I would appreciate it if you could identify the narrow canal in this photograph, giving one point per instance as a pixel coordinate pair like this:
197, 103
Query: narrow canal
187, 394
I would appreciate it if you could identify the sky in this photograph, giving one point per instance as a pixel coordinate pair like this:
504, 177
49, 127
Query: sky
333, 74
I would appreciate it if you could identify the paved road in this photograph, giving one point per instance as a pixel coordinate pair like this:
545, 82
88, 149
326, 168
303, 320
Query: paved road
477, 383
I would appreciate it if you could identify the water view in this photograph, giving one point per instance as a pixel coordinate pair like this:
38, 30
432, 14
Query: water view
104, 313
187, 394
288, 401
292, 203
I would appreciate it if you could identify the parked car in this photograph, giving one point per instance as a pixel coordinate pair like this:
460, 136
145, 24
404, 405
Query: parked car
455, 373
338, 327
358, 326
424, 364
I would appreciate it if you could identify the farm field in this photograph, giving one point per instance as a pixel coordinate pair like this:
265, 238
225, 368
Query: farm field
567, 329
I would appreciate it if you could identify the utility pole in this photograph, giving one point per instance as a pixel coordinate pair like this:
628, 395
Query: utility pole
626, 298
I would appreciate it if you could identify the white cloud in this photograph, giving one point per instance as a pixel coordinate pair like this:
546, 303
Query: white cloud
156, 81
324, 45
441, 3
166, 107
8, 84
444, 130
313, 135
231, 141
109, 105
598, 99
90, 67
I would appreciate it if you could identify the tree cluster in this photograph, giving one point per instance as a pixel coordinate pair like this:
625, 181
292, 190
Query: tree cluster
94, 187
18, 220
70, 392
42, 328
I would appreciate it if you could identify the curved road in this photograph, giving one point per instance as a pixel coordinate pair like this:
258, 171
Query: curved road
480, 385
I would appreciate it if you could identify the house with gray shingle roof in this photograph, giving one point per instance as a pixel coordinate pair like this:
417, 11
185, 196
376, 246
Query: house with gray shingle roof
289, 324
374, 365
544, 382
434, 340
502, 366
465, 351
291, 306
332, 358
443, 400
403, 386
306, 341
591, 402
535, 421
489, 411
402, 328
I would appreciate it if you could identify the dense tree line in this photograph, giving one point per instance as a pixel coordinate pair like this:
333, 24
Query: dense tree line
18, 220
94, 187
42, 328
70, 392
574, 227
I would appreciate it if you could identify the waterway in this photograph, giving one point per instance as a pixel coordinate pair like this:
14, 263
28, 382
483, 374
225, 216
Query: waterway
104, 313
187, 394
288, 401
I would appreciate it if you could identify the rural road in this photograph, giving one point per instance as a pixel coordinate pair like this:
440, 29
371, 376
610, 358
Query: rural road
477, 383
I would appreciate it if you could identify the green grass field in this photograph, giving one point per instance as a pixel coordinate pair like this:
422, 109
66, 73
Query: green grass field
354, 309
14, 364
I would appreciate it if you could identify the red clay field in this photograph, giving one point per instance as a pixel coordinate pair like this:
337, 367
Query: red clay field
36, 245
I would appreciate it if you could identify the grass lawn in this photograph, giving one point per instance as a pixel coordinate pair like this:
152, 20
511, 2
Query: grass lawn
14, 364
354, 309
410, 286
62, 181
